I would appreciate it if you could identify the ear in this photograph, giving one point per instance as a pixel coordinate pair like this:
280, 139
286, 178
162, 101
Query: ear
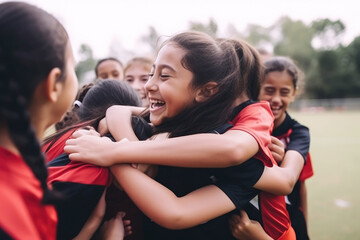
53, 87
206, 91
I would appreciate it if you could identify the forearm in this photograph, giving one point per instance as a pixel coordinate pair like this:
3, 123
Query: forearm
164, 207
281, 180
199, 150
118, 120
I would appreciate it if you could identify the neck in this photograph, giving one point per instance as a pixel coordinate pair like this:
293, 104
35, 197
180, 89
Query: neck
279, 121
5, 140
240, 100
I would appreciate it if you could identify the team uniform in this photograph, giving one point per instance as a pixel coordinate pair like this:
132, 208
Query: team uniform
80, 184
236, 182
83, 184
22, 215
296, 137
256, 119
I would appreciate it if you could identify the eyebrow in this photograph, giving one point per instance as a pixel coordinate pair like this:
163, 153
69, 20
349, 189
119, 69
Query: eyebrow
165, 66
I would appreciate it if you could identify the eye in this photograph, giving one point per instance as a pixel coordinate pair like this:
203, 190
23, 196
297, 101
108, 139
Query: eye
129, 80
285, 92
164, 77
144, 79
269, 90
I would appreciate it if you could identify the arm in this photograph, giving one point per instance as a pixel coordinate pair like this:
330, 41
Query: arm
164, 207
246, 229
93, 221
118, 120
281, 180
198, 150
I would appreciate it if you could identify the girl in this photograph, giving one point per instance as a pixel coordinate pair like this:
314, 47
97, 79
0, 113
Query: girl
109, 68
137, 73
84, 184
38, 84
279, 88
228, 188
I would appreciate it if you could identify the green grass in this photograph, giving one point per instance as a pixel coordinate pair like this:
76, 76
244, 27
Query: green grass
335, 145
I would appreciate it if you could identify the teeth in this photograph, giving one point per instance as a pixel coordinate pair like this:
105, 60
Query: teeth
156, 101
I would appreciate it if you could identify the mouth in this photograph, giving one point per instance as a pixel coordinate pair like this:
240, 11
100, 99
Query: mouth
276, 110
156, 104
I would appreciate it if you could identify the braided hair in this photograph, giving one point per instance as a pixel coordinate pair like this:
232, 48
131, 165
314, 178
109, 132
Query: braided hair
32, 43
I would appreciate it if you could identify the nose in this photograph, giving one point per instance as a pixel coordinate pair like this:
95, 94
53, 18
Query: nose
276, 98
150, 84
138, 85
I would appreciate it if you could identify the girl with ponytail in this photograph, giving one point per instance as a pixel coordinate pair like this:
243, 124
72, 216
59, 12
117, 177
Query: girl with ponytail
37, 86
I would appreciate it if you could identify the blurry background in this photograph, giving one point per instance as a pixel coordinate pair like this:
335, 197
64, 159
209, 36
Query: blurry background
322, 36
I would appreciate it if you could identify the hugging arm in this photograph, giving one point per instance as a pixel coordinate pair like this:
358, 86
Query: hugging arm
164, 207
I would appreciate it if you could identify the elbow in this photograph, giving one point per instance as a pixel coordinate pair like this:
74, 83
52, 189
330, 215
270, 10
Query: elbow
289, 184
234, 156
173, 220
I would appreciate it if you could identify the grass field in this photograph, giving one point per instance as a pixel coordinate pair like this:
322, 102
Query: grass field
334, 191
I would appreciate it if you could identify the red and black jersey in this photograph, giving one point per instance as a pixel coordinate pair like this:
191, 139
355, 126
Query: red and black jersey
81, 185
296, 137
256, 119
22, 215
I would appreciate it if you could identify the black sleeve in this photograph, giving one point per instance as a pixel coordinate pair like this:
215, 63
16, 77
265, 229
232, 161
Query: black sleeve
299, 140
237, 182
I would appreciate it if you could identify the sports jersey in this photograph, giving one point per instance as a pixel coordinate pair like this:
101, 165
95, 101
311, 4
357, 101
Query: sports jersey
81, 185
256, 119
296, 137
22, 215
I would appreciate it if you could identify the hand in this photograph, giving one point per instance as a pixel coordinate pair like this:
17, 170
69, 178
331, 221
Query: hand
244, 228
89, 149
87, 130
116, 228
103, 128
277, 149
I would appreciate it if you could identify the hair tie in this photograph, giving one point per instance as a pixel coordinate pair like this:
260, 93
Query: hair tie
77, 103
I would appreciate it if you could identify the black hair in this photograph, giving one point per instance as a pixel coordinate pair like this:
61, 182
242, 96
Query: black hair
70, 116
106, 59
32, 43
281, 64
209, 61
97, 100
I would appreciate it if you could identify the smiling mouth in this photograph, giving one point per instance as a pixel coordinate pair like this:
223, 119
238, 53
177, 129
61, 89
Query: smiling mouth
156, 104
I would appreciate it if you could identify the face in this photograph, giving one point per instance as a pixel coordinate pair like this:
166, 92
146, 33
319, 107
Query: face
278, 89
137, 75
169, 86
110, 69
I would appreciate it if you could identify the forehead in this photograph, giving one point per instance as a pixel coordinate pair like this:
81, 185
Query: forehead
170, 54
278, 78
109, 64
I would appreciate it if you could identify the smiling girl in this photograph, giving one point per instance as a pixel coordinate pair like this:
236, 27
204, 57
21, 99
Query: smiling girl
199, 106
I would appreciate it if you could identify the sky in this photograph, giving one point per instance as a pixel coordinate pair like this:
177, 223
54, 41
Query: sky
105, 23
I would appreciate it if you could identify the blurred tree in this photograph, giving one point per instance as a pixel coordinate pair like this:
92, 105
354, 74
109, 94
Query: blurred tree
295, 42
152, 39
87, 62
211, 28
327, 33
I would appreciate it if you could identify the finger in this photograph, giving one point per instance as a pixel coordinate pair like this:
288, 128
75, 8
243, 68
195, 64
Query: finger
244, 216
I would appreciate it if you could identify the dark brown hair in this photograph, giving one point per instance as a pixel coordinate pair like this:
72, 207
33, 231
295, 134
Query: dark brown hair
32, 43
209, 61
